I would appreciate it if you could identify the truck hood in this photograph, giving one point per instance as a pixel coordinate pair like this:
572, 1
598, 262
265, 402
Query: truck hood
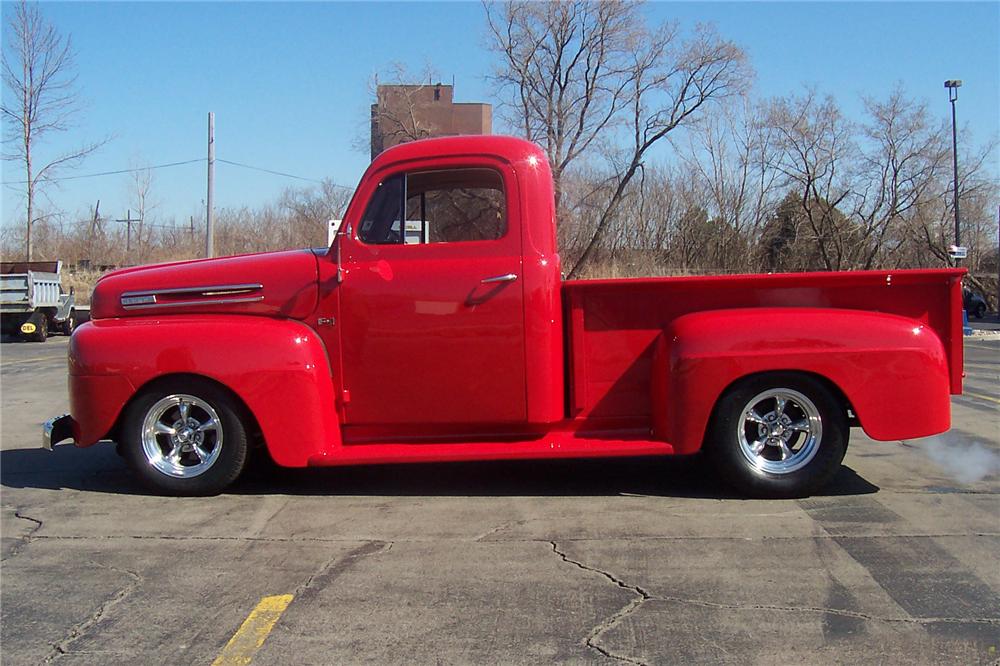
275, 284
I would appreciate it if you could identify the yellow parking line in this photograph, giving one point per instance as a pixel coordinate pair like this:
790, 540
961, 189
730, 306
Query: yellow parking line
253, 632
980, 396
25, 361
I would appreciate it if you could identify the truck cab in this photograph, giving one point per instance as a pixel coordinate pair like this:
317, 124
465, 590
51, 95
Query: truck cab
441, 327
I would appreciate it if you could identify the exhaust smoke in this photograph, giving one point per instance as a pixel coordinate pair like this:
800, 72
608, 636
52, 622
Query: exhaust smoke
965, 460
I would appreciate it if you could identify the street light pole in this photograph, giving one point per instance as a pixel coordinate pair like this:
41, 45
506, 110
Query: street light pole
953, 85
957, 251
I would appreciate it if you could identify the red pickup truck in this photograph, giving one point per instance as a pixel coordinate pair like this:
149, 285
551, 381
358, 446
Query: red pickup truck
437, 327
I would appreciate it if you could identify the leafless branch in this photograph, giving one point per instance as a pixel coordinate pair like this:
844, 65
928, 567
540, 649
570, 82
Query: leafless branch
41, 98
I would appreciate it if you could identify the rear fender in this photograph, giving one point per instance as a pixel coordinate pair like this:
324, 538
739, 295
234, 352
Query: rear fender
892, 370
278, 368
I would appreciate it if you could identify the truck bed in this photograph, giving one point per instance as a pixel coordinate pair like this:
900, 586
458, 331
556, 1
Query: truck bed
25, 292
612, 326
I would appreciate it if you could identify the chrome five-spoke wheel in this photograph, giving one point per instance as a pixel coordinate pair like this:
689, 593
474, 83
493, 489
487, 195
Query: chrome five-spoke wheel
171, 434
778, 434
780, 431
181, 436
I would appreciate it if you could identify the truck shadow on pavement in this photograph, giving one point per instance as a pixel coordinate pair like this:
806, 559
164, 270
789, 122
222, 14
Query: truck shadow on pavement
99, 469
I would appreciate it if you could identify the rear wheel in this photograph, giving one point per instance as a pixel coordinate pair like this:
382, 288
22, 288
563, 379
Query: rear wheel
980, 311
778, 435
39, 325
185, 437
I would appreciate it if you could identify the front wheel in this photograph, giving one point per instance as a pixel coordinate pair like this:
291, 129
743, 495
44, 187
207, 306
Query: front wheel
778, 435
69, 325
185, 437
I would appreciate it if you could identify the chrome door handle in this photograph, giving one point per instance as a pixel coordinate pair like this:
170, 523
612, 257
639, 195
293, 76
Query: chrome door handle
509, 277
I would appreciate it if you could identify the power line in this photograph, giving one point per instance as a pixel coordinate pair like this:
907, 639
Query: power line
109, 173
175, 227
173, 164
276, 173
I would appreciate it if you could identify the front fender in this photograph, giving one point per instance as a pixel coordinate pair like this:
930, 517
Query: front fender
278, 367
892, 370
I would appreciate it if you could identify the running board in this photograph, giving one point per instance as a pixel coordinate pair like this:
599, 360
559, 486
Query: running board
555, 445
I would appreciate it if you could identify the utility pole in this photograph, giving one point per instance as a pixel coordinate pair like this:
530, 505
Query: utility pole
209, 214
93, 230
94, 222
128, 232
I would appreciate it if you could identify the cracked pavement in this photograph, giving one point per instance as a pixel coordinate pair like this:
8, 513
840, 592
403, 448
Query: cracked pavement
595, 562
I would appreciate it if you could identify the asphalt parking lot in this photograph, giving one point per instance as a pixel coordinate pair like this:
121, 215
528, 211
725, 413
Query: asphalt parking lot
634, 561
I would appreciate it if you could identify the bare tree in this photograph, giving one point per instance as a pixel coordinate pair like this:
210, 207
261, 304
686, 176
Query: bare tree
308, 211
399, 110
899, 167
575, 74
862, 195
731, 153
671, 83
140, 187
929, 229
816, 146
565, 70
41, 98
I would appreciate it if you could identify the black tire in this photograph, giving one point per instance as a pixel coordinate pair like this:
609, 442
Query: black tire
41, 323
225, 465
809, 461
10, 324
980, 311
69, 325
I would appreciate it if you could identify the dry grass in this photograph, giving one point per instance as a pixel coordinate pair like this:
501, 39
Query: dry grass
640, 264
81, 282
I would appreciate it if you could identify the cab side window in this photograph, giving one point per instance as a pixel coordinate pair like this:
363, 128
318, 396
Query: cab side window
383, 218
445, 206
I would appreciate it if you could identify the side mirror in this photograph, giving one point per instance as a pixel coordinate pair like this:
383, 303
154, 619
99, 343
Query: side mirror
332, 227
339, 238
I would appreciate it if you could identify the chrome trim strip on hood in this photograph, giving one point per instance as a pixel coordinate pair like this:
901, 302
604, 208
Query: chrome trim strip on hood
146, 299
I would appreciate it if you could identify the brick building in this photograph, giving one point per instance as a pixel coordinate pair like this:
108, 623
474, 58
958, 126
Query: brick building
407, 112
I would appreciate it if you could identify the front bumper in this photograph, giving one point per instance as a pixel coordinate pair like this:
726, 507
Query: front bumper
55, 430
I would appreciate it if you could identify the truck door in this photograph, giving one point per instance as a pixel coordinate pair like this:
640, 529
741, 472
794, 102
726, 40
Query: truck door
431, 301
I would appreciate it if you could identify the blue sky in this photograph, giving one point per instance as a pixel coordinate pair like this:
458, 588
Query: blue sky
288, 81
